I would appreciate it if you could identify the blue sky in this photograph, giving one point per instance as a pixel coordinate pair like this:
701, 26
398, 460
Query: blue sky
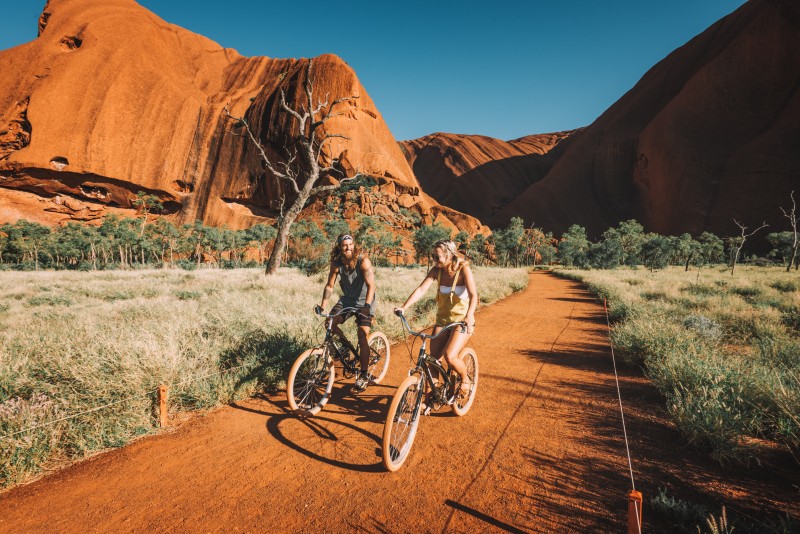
503, 69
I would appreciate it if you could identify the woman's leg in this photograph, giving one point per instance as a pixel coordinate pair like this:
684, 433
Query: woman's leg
454, 345
437, 350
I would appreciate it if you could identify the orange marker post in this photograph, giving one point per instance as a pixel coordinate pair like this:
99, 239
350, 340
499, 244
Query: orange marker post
163, 393
634, 512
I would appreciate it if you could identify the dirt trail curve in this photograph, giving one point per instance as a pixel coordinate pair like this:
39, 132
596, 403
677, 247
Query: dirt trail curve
541, 450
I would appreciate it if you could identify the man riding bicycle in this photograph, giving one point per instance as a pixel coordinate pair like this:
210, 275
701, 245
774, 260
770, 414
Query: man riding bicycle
357, 282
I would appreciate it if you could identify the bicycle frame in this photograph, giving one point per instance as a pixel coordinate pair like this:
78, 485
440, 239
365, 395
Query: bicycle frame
350, 366
425, 361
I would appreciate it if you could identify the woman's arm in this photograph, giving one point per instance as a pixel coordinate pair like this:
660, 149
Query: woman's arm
417, 293
472, 291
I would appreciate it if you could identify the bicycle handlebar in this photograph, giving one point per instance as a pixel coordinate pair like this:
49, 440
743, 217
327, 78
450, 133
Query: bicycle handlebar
402, 316
318, 311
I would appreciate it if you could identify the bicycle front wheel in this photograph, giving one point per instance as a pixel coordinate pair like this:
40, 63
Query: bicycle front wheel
462, 404
401, 423
378, 356
310, 381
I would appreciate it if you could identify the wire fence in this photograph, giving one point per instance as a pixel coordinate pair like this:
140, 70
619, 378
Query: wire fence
142, 395
638, 511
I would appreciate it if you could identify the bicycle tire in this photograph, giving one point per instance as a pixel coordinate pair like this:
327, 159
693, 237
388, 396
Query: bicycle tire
310, 381
379, 356
401, 424
462, 405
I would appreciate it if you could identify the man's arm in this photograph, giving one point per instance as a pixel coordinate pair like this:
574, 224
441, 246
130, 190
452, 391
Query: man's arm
369, 279
328, 290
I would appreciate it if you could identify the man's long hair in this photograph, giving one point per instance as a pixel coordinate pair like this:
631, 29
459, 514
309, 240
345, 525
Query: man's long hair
336, 253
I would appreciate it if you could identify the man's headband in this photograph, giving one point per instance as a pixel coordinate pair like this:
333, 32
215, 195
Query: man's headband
345, 237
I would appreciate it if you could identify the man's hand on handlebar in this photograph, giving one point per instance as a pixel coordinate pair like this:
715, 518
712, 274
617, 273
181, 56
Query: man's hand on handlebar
318, 309
399, 312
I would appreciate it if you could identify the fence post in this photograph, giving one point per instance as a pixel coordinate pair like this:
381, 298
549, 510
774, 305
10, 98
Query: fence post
634, 512
163, 393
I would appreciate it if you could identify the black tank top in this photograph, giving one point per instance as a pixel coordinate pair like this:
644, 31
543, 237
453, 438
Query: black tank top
353, 285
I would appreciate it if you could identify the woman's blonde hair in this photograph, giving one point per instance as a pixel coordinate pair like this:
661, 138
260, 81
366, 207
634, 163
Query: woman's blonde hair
456, 261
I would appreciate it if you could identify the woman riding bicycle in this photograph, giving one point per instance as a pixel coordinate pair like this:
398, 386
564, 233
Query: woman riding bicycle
357, 282
456, 300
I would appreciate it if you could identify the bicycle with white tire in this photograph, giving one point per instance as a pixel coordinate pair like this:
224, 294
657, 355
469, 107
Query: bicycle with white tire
407, 407
311, 378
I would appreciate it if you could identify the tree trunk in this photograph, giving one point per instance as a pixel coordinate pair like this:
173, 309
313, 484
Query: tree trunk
735, 259
282, 238
794, 258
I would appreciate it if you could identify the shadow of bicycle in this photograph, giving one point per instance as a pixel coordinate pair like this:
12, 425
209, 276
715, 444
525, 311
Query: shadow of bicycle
332, 436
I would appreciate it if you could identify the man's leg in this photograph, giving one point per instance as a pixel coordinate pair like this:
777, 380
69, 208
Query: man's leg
363, 347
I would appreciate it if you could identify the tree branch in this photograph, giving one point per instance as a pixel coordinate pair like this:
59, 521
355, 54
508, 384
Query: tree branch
324, 188
300, 118
288, 176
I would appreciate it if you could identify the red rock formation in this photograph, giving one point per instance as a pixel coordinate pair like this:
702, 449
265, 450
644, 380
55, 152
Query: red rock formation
110, 100
710, 133
479, 175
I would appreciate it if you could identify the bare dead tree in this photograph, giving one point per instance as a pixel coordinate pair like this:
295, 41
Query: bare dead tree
792, 216
302, 169
743, 239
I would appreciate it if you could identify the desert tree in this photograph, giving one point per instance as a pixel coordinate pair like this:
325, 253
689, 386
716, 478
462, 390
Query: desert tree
302, 169
737, 243
631, 235
508, 241
656, 251
573, 247
792, 216
424, 238
145, 204
607, 253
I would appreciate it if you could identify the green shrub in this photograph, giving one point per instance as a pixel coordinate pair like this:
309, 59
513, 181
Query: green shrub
703, 327
682, 512
188, 295
785, 286
49, 300
701, 290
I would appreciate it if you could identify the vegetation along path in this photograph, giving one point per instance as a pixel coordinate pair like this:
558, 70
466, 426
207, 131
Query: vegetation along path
541, 450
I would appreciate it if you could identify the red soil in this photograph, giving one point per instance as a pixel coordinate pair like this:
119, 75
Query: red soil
541, 451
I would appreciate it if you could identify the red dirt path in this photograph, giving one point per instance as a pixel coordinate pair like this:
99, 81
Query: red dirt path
541, 451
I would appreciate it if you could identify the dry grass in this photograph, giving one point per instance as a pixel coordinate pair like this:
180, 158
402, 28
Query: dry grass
72, 341
724, 350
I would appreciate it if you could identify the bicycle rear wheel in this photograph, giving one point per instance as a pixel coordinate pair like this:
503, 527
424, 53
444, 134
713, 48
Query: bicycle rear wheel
310, 381
401, 423
378, 356
462, 404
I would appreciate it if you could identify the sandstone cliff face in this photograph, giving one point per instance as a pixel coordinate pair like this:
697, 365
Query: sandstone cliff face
110, 100
710, 133
479, 175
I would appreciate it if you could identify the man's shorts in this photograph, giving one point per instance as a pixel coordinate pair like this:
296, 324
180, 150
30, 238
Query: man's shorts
360, 319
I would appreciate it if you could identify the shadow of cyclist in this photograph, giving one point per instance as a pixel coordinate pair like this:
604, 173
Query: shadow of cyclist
332, 439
